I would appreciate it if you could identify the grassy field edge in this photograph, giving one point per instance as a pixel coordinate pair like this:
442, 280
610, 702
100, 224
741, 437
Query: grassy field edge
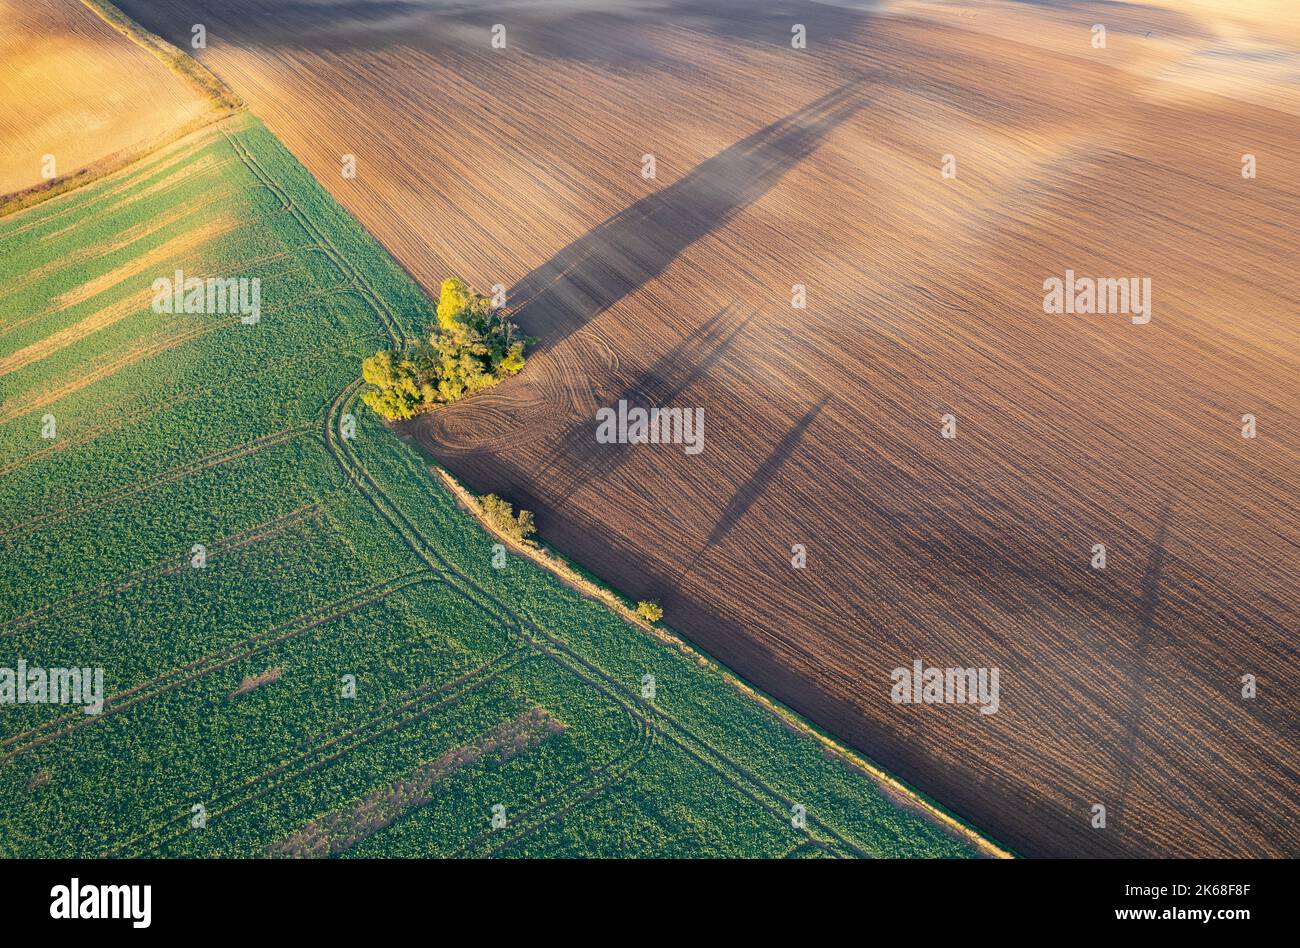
577, 579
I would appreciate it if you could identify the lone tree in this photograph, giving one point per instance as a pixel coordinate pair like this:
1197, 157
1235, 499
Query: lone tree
649, 610
472, 347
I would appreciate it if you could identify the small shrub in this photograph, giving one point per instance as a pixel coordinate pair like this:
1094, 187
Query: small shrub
501, 515
651, 611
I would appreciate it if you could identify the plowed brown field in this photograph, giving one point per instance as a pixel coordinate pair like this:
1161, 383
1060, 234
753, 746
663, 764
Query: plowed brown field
822, 167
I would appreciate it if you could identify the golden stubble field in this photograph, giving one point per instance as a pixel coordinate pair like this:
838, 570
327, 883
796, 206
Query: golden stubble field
822, 167
76, 89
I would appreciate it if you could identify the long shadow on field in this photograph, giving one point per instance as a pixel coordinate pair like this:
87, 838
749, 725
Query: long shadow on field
578, 460
1148, 600
754, 488
630, 249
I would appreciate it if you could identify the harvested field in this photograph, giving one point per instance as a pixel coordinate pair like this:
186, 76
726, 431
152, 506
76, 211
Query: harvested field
77, 89
822, 167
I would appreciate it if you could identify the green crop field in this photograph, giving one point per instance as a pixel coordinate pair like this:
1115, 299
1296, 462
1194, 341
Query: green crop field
496, 711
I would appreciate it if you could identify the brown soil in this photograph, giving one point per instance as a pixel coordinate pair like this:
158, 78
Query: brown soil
822, 167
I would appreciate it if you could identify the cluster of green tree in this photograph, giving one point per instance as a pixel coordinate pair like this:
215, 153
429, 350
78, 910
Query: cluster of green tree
474, 347
502, 515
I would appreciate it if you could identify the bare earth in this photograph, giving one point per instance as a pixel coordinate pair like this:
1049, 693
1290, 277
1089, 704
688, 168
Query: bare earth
75, 88
821, 167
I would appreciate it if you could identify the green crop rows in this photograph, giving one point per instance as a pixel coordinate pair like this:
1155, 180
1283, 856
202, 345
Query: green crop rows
326, 556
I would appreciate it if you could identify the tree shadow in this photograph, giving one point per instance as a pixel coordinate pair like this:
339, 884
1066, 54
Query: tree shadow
757, 484
622, 254
1148, 600
748, 493
578, 460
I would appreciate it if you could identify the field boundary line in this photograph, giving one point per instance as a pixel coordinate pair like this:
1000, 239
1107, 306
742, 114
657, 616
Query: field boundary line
893, 787
388, 319
122, 180
198, 76
370, 488
694, 746
567, 657
123, 240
